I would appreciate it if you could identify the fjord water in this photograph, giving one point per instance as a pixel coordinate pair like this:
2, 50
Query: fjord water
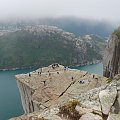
10, 103
95, 68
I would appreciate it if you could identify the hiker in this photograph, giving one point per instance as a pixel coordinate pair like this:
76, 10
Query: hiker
29, 75
56, 64
64, 68
49, 74
44, 82
53, 66
81, 81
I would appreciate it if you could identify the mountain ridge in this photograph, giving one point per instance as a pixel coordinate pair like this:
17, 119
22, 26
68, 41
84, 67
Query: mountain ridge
42, 45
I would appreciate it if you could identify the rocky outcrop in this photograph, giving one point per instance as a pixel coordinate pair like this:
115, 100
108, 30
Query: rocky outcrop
107, 98
100, 103
54, 85
111, 60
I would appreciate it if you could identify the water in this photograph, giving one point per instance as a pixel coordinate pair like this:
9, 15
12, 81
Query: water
96, 68
10, 103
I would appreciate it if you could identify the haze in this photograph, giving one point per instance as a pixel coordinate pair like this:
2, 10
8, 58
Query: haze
92, 9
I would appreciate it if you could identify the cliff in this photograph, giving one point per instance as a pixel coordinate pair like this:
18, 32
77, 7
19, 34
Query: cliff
53, 86
68, 99
111, 59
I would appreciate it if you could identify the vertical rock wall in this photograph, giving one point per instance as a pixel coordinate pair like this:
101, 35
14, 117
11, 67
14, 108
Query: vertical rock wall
26, 97
111, 60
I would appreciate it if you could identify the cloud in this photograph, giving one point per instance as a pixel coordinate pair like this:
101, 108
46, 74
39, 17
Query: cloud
97, 9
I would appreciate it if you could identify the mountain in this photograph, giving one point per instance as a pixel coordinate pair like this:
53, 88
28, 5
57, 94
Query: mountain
78, 26
112, 55
42, 45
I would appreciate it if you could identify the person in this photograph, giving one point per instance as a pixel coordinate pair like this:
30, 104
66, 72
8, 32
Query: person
64, 68
29, 75
72, 78
53, 66
57, 72
81, 81
44, 82
49, 73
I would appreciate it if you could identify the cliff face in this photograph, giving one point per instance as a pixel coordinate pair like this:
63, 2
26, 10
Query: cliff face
111, 60
26, 97
54, 86
102, 103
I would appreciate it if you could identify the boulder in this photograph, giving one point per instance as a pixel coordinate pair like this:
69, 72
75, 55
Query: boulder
107, 98
114, 117
83, 111
90, 116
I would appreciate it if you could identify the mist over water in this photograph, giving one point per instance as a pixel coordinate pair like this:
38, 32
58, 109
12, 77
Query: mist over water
33, 9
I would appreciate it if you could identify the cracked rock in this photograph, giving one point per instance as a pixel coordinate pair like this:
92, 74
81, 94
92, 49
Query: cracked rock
107, 98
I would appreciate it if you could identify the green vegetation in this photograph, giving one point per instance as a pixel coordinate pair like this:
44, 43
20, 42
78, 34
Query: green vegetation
24, 48
109, 80
117, 32
69, 110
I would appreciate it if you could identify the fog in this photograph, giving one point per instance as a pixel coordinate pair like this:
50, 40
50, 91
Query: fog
92, 9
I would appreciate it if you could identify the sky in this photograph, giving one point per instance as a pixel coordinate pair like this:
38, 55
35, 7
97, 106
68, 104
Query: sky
92, 9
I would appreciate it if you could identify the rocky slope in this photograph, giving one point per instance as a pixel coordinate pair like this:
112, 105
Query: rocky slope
43, 45
112, 55
68, 94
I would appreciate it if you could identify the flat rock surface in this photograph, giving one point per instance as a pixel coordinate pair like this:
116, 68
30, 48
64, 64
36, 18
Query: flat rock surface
57, 84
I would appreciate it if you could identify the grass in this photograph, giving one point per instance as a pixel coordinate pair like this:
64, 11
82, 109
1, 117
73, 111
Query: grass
109, 80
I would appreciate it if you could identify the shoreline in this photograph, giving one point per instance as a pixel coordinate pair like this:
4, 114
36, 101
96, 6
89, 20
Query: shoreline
89, 63
12, 69
78, 65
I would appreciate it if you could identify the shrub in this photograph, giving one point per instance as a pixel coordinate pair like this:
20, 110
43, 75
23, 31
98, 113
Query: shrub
70, 111
109, 80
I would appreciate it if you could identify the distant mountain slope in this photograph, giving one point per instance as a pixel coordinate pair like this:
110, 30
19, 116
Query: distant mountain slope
78, 26
43, 45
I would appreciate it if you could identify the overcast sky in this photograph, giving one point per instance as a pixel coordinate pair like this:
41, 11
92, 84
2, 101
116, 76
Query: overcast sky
92, 9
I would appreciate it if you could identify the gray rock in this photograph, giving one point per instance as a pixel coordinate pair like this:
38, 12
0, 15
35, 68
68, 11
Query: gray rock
114, 117
107, 98
91, 116
111, 59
